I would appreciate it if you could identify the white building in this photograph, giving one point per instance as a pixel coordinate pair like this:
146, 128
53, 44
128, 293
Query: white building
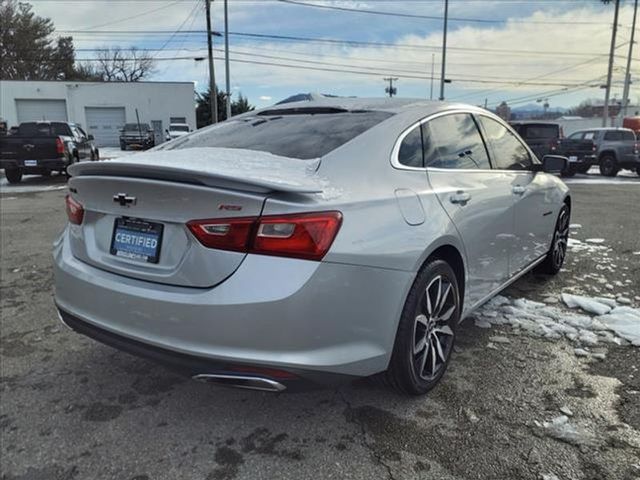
101, 108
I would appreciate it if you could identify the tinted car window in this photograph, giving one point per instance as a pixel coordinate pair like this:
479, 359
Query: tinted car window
508, 151
299, 135
453, 141
576, 136
540, 131
36, 129
410, 153
134, 127
617, 135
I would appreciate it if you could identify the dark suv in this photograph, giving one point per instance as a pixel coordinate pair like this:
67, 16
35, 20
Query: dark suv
542, 137
137, 135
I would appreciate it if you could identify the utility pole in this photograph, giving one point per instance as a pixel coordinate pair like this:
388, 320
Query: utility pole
391, 90
605, 110
627, 77
226, 57
444, 48
213, 91
433, 62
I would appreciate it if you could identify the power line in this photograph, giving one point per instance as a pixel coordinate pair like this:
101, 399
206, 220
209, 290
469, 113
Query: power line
334, 41
130, 17
429, 17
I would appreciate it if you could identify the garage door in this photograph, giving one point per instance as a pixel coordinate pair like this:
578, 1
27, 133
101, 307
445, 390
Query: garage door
34, 110
104, 124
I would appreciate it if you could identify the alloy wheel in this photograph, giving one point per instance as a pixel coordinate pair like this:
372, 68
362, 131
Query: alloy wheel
432, 335
561, 239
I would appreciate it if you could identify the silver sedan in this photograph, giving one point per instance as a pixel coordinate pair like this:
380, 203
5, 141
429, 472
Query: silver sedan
309, 243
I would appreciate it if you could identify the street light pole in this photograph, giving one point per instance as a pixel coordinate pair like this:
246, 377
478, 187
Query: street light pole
444, 48
213, 91
433, 61
627, 77
605, 110
226, 57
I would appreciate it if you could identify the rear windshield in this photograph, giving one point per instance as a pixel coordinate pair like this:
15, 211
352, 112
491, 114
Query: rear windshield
179, 128
303, 136
134, 126
617, 135
539, 131
37, 129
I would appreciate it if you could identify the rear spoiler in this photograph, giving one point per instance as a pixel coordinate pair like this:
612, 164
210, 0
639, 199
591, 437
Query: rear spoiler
246, 182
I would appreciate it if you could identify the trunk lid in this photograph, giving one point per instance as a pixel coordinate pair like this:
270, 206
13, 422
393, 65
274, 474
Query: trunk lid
159, 192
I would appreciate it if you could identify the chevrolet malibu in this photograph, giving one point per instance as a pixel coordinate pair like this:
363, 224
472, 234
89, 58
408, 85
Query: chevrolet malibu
309, 243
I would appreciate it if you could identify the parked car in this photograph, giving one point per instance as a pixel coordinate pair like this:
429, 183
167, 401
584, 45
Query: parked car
137, 135
580, 152
542, 137
309, 243
616, 148
176, 130
42, 147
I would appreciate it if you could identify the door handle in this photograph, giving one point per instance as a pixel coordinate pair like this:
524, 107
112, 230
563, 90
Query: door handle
460, 197
518, 190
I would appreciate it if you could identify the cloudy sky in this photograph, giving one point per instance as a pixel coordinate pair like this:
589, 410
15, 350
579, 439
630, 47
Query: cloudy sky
514, 50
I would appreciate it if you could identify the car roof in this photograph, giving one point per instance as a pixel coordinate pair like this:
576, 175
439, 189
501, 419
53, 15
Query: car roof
603, 129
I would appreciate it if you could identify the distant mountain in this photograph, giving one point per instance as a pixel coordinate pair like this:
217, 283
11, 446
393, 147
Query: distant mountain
536, 107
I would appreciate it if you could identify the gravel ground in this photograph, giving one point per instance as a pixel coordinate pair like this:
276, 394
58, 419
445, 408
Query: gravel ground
74, 409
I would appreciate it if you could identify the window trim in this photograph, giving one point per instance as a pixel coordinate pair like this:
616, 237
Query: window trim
395, 163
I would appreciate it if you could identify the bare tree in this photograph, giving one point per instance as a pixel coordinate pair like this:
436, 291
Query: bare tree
118, 65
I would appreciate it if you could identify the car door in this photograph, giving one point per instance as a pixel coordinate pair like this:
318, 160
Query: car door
477, 199
530, 193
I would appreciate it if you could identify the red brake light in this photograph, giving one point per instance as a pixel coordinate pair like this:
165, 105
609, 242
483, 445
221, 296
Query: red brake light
223, 233
75, 211
307, 235
59, 146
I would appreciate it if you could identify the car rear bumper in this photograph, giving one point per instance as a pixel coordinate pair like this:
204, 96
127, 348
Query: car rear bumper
43, 164
285, 313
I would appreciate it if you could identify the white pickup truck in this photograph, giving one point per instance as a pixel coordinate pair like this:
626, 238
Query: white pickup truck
176, 130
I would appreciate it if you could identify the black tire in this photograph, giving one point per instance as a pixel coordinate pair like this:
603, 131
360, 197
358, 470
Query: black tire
14, 175
556, 255
95, 155
412, 369
123, 146
609, 166
584, 168
638, 171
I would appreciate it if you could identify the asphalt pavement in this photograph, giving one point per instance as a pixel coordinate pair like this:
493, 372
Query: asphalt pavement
74, 409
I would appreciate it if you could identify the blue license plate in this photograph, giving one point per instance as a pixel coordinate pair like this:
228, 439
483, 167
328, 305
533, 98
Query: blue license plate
137, 239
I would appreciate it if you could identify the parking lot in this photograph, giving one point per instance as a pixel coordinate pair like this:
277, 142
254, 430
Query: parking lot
72, 408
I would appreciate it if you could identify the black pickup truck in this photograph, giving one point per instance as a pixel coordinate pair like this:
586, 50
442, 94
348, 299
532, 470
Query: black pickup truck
580, 151
42, 147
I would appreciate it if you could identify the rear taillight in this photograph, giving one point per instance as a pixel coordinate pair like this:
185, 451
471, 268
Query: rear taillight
59, 146
303, 236
75, 211
224, 234
308, 236
595, 147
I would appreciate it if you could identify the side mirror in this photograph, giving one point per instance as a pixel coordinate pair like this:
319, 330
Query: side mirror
554, 163
90, 137
166, 130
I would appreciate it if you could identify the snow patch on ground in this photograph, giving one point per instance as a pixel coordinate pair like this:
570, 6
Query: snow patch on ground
611, 323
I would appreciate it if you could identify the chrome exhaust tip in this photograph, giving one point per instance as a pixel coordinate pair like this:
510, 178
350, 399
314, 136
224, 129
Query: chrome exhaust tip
241, 381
